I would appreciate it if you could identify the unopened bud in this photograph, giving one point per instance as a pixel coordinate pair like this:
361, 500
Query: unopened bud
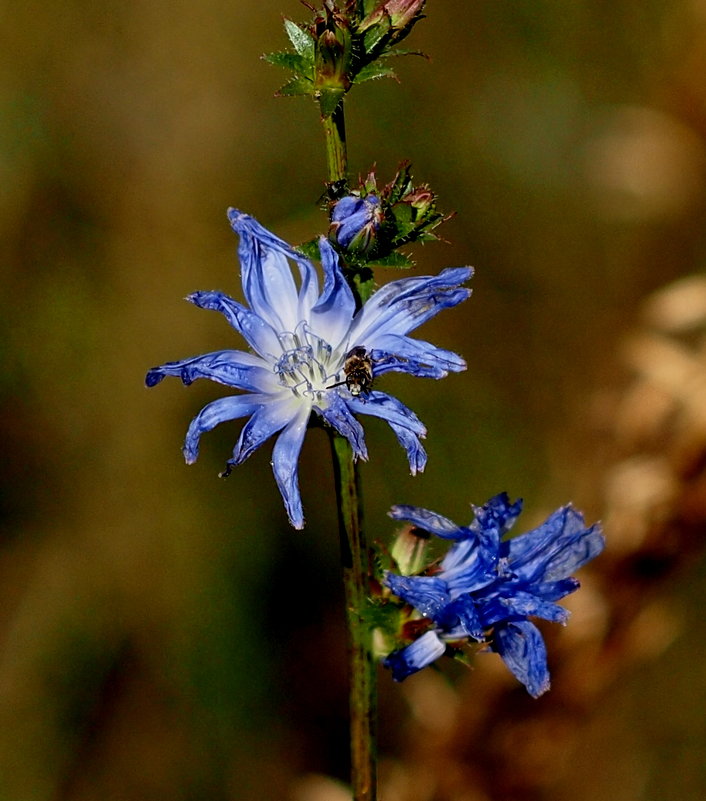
355, 221
409, 550
400, 14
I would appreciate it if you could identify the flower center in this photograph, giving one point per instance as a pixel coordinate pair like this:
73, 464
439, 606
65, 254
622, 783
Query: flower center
308, 364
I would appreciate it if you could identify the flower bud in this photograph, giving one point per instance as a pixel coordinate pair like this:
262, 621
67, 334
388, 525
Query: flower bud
355, 221
409, 550
398, 14
410, 209
333, 43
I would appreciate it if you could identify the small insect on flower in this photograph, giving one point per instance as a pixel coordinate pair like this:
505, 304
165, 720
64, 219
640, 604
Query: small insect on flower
358, 368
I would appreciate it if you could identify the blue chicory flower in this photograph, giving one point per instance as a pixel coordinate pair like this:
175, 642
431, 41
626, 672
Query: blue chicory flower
299, 341
488, 585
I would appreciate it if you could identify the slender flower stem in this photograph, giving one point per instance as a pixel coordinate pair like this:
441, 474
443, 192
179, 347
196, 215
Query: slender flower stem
355, 556
356, 570
336, 154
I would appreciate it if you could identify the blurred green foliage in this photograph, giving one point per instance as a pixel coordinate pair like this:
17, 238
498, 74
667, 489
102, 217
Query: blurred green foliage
165, 635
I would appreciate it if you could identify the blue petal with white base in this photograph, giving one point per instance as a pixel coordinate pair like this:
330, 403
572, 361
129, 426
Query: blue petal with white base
298, 337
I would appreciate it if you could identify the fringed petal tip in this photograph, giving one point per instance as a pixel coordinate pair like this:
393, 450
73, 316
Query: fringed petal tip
238, 219
154, 377
191, 454
418, 465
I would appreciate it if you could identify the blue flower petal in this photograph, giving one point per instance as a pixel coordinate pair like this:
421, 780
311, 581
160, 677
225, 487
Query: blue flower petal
216, 412
414, 657
408, 428
428, 521
497, 513
285, 464
427, 594
416, 455
513, 604
336, 305
523, 650
473, 560
339, 416
270, 418
403, 354
460, 619
401, 306
556, 548
257, 333
346, 206
469, 566
230, 367
555, 590
268, 283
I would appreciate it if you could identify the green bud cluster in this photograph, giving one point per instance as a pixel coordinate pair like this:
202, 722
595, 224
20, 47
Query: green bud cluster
344, 45
408, 214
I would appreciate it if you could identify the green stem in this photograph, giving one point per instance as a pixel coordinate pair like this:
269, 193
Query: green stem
336, 153
355, 557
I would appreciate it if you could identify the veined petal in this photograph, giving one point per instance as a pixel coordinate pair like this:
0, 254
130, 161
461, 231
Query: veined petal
339, 416
427, 594
556, 548
523, 650
230, 367
380, 404
401, 306
270, 418
334, 310
422, 652
461, 619
428, 521
473, 544
285, 464
406, 355
385, 362
555, 590
583, 546
514, 604
408, 428
497, 513
416, 454
469, 565
218, 411
268, 283
257, 333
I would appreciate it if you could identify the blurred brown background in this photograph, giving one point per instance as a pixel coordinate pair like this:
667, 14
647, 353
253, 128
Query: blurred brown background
166, 635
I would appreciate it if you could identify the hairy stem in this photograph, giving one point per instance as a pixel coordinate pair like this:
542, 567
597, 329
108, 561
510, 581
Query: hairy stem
336, 153
355, 557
